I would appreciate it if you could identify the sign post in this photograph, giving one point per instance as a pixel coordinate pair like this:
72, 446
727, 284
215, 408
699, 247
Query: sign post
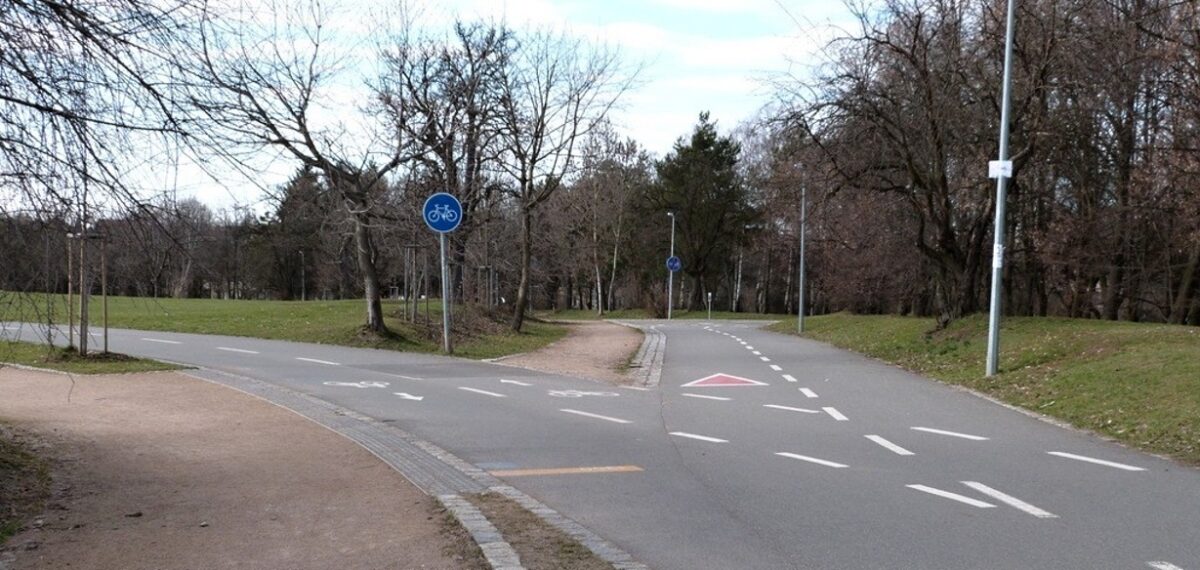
443, 213
671, 270
1001, 170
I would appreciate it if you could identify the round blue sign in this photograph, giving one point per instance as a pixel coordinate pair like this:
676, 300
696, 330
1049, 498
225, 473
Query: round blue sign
442, 212
674, 264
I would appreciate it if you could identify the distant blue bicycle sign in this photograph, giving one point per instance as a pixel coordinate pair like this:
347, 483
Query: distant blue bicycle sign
442, 212
674, 264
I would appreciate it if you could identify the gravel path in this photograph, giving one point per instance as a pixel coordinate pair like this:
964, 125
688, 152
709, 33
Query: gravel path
593, 349
164, 471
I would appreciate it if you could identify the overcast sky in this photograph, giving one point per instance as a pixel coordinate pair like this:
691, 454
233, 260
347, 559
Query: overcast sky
697, 55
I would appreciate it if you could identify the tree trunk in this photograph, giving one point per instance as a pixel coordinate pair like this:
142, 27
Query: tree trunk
1187, 289
366, 264
523, 284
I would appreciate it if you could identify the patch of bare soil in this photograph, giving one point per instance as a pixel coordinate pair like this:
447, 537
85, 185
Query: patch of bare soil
24, 480
540, 546
596, 350
164, 471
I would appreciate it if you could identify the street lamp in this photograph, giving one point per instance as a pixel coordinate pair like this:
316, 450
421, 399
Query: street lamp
800, 276
670, 272
1002, 171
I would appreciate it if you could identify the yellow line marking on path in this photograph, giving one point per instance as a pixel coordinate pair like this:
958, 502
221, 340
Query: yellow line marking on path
566, 471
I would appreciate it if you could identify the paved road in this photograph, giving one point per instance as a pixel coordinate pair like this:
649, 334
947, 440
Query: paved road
836, 462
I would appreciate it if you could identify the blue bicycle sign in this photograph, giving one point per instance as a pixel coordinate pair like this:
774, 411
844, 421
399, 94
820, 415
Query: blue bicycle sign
442, 212
674, 264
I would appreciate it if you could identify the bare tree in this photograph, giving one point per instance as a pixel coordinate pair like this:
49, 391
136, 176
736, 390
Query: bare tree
263, 82
555, 91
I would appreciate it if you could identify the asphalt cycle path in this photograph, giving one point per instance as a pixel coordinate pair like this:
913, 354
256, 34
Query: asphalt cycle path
759, 450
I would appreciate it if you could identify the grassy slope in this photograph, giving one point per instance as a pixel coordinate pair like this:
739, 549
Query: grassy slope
39, 355
1138, 383
326, 322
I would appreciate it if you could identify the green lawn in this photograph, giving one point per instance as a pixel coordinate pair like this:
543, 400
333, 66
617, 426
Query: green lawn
54, 358
326, 322
584, 315
1138, 383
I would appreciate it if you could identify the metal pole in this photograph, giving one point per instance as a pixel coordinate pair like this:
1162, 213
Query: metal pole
710, 305
1001, 198
104, 285
70, 294
671, 274
445, 297
800, 277
85, 292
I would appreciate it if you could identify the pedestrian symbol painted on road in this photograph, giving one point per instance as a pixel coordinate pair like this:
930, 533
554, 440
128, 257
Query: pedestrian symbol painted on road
674, 264
722, 381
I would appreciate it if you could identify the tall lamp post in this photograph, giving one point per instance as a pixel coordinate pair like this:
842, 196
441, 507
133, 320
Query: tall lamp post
800, 274
1001, 170
670, 273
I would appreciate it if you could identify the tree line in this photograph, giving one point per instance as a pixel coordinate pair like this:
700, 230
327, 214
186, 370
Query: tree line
890, 137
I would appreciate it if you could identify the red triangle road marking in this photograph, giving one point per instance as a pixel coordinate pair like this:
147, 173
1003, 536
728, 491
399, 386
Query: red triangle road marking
722, 380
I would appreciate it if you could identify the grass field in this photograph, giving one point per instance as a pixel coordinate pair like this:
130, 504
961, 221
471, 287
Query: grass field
1138, 383
54, 358
326, 322
584, 315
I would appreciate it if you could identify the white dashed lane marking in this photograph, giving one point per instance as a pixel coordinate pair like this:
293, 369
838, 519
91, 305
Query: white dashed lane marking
240, 350
789, 377
596, 416
721, 398
484, 392
515, 382
951, 433
790, 409
808, 393
812, 460
699, 437
315, 361
764, 359
776, 367
161, 341
1096, 461
1163, 566
952, 496
835, 414
756, 353
888, 445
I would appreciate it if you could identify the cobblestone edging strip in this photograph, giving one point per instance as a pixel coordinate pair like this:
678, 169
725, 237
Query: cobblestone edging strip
432, 469
646, 367
499, 554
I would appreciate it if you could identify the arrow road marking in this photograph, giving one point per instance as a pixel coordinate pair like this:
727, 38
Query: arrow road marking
517, 382
597, 416
723, 399
484, 392
699, 437
812, 460
318, 361
952, 496
807, 393
1010, 500
790, 409
407, 396
836, 414
888, 445
1096, 461
951, 433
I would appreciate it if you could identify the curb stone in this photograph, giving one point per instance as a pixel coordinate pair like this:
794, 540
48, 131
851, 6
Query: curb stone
434, 470
646, 367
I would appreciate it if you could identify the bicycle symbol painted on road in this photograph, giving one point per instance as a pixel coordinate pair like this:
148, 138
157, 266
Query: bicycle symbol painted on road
358, 384
441, 212
580, 394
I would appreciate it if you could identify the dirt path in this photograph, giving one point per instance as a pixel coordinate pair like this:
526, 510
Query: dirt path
593, 349
166, 471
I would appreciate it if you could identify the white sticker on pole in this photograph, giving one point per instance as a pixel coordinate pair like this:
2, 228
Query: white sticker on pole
1000, 168
998, 256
